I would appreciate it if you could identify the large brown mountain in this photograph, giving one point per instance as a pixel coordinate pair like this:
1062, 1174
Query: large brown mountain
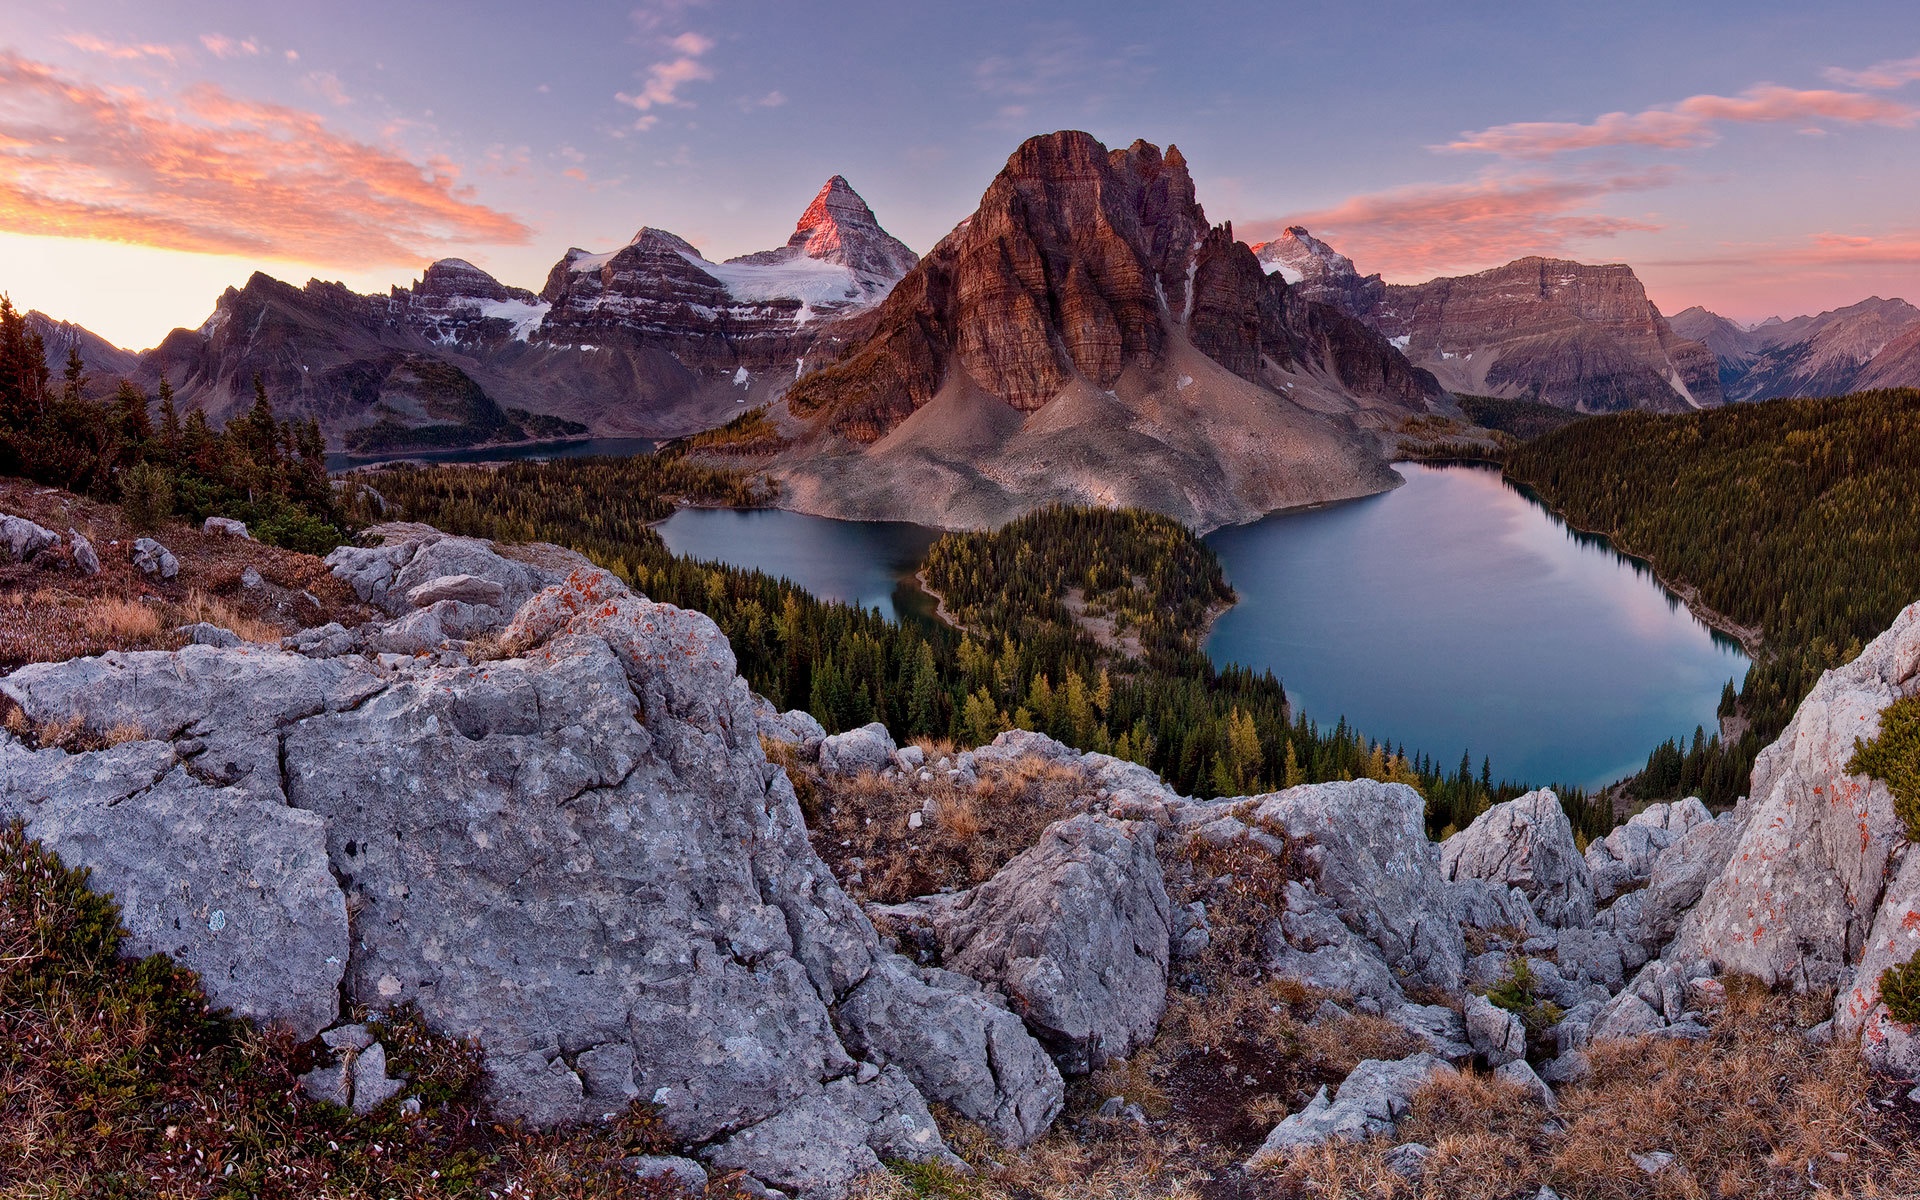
1087, 336
651, 339
1574, 335
1875, 343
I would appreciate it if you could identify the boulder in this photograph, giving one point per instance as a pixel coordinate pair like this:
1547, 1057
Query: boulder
154, 560
466, 589
1493, 907
226, 526
1520, 1074
1526, 843
1676, 879
1370, 1103
406, 556
1310, 943
1626, 855
1076, 933
1494, 1033
863, 751
24, 539
1803, 882
202, 633
84, 555
1365, 849
957, 1043
818, 1148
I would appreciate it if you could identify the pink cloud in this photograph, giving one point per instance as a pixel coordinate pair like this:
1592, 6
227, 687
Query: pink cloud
667, 77
120, 50
1686, 123
1893, 73
221, 46
212, 173
1424, 229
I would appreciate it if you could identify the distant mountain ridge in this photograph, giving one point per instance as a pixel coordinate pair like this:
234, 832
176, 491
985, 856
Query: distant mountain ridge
1574, 335
650, 339
1872, 344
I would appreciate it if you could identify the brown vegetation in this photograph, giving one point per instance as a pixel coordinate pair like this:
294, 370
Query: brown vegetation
50, 610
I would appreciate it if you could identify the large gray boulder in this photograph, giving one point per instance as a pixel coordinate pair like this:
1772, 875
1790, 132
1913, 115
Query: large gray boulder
577, 854
1803, 883
1526, 843
1371, 1102
1364, 848
84, 555
863, 751
1075, 932
24, 539
405, 558
958, 1043
1626, 855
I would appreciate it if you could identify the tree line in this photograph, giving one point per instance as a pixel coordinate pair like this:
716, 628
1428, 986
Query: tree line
155, 461
1799, 517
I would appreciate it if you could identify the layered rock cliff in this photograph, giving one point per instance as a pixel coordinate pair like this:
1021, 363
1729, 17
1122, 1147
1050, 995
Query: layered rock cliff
1087, 335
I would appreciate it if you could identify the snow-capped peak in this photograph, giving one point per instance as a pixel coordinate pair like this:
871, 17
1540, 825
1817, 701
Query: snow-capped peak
1297, 255
839, 228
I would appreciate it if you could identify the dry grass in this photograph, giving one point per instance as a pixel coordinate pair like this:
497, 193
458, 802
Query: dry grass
50, 610
1752, 1112
862, 825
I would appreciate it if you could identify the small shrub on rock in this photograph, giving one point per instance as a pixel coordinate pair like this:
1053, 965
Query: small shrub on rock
1900, 990
1894, 758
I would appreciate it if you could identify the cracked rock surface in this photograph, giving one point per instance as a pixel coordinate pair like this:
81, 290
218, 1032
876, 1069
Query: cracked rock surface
576, 851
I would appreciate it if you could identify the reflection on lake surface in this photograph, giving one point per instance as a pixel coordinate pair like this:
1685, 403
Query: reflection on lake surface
531, 451
1455, 613
1450, 614
867, 563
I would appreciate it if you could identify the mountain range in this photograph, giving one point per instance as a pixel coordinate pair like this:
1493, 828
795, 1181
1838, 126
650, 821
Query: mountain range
1086, 335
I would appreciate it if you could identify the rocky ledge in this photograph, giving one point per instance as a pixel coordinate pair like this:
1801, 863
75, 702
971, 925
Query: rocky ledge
535, 807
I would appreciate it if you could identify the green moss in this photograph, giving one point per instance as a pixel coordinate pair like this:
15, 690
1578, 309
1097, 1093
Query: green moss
1894, 758
932, 1181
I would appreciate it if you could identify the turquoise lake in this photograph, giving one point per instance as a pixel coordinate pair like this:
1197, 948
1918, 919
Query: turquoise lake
1453, 613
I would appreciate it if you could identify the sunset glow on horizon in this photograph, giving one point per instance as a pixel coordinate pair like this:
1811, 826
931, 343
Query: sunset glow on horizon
1753, 158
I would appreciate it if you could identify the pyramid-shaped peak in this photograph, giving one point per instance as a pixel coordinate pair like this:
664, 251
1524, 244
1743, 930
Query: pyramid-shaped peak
839, 227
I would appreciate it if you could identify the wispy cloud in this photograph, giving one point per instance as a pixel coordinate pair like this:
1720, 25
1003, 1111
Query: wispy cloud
123, 51
1686, 123
213, 173
1426, 228
1883, 76
328, 87
221, 46
666, 77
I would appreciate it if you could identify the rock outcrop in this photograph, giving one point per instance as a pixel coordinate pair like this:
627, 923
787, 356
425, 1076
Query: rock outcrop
601, 877
1817, 845
1369, 1104
1526, 844
1075, 933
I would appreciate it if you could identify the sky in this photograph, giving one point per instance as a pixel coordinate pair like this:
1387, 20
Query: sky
1759, 157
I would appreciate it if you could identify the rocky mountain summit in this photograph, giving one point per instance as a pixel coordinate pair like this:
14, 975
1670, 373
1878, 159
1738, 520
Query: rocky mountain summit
1872, 344
1570, 334
1088, 316
538, 808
